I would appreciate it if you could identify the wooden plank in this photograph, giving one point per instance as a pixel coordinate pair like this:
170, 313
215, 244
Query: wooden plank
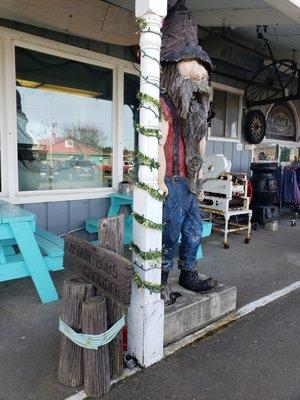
34, 261
112, 238
10, 212
121, 199
6, 232
116, 201
2, 255
49, 248
9, 251
106, 270
8, 242
15, 267
91, 225
51, 237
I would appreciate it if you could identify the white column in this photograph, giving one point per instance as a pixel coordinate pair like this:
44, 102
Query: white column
146, 313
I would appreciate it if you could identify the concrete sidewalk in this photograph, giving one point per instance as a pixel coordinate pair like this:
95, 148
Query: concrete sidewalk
29, 337
256, 358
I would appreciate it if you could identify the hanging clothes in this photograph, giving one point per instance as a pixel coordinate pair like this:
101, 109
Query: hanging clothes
298, 174
290, 192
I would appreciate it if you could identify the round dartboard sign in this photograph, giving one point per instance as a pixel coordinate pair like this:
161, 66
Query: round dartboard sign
255, 126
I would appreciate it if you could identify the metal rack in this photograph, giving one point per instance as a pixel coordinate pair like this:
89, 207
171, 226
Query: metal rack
227, 196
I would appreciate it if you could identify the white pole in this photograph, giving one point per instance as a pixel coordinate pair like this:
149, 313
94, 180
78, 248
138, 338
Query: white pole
146, 313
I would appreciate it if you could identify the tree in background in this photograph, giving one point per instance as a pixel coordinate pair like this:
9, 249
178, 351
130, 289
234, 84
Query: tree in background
85, 137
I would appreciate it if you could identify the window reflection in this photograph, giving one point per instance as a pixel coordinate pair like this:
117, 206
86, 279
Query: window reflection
227, 110
64, 123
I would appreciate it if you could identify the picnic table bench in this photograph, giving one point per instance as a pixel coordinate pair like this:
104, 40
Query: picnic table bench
26, 250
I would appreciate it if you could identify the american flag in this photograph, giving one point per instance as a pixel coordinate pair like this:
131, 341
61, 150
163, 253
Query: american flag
53, 134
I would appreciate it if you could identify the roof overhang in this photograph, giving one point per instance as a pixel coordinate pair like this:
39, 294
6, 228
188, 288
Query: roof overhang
92, 19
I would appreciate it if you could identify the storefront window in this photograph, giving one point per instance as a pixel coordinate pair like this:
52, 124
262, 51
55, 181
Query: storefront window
219, 120
289, 154
131, 113
266, 152
227, 110
275, 152
64, 123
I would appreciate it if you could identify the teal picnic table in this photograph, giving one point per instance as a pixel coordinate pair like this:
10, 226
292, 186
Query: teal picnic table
26, 250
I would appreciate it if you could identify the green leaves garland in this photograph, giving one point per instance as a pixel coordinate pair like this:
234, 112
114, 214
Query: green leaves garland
146, 99
146, 255
142, 159
141, 23
146, 223
147, 102
152, 287
150, 190
147, 131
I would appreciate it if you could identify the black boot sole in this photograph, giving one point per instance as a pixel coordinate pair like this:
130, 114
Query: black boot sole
197, 291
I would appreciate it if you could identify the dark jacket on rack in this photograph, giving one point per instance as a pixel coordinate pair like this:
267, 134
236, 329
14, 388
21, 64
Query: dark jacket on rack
290, 192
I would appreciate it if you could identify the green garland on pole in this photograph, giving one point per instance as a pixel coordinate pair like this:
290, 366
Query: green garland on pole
142, 23
152, 192
152, 287
147, 131
146, 255
147, 102
142, 159
145, 98
146, 223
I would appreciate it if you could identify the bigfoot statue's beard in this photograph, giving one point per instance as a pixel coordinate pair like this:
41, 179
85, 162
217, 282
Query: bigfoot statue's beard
191, 100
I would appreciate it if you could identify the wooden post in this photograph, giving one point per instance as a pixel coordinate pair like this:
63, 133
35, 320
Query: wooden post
75, 292
112, 238
146, 312
96, 362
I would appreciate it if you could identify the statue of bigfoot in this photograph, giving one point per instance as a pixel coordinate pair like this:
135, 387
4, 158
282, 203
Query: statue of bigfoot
185, 87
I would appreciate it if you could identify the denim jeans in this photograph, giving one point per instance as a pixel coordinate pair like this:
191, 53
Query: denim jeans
181, 215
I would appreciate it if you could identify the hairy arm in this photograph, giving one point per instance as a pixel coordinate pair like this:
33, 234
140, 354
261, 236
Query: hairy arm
164, 128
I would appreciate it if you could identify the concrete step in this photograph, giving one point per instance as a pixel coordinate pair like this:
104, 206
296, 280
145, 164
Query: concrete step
193, 311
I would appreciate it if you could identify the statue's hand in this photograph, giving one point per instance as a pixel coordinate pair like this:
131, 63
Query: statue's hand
201, 196
163, 188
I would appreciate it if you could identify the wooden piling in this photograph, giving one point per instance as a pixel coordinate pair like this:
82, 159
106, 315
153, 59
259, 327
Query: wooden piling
96, 362
70, 366
112, 238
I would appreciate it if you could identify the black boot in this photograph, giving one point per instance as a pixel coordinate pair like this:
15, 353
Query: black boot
164, 277
190, 280
165, 288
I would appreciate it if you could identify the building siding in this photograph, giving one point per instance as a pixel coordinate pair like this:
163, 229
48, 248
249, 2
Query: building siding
240, 160
65, 216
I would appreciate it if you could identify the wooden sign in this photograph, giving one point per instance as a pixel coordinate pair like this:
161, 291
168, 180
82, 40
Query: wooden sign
107, 271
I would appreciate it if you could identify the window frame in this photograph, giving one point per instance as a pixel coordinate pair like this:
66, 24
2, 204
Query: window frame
236, 91
11, 40
3, 154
